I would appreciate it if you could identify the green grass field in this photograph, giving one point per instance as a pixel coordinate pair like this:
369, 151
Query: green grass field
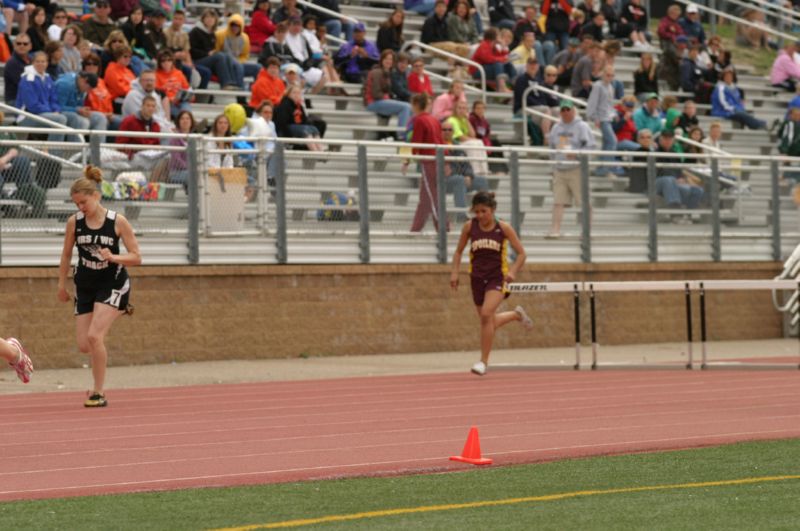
690, 489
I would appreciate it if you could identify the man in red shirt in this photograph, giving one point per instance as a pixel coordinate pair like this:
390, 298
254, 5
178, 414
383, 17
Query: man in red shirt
427, 130
141, 121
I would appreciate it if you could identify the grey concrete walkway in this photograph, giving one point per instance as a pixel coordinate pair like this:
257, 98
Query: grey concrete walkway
200, 373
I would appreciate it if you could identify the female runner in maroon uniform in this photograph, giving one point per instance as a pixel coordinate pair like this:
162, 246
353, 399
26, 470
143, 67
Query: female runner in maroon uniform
489, 270
102, 285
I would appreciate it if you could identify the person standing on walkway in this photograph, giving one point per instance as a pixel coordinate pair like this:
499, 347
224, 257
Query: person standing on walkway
427, 130
102, 285
490, 272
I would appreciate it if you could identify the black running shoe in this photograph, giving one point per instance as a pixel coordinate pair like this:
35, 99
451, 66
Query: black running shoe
96, 400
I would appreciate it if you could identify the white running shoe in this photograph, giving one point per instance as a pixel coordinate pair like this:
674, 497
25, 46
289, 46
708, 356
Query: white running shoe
526, 321
24, 365
479, 368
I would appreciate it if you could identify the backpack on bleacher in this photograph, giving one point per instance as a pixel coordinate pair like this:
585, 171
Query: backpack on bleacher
338, 214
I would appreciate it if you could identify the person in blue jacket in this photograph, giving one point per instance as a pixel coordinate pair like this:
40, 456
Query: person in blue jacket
726, 102
71, 90
37, 95
357, 57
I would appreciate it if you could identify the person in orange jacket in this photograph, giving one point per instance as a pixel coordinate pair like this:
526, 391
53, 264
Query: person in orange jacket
269, 85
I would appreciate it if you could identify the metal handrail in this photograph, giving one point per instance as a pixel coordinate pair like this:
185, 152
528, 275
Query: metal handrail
728, 16
327, 11
453, 56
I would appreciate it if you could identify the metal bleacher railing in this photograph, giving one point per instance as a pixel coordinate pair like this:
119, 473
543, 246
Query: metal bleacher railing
354, 203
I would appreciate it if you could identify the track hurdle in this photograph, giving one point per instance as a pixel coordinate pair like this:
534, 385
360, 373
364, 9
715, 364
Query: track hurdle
551, 287
688, 286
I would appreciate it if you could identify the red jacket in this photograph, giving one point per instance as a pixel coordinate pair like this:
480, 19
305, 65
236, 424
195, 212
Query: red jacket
489, 52
260, 29
427, 130
134, 122
416, 86
668, 29
624, 129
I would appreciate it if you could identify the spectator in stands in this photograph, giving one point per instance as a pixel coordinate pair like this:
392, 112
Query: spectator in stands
116, 40
589, 8
669, 28
319, 51
218, 152
119, 76
688, 117
37, 95
301, 51
434, 29
178, 164
565, 61
291, 119
557, 14
519, 56
99, 26
421, 7
600, 109
287, 10
157, 23
624, 126
670, 65
72, 90
268, 86
464, 135
172, 83
461, 27
691, 25
583, 75
177, 40
612, 49
545, 50
576, 21
142, 87
501, 14
460, 175
672, 114
276, 46
569, 133
71, 37
751, 36
785, 72
37, 32
648, 116
202, 45
138, 35
595, 26
635, 15
482, 127
390, 32
531, 78
378, 95
694, 77
357, 57
18, 11
16, 168
261, 26
637, 176
616, 29
727, 102
234, 43
445, 103
492, 54
400, 78
670, 183
141, 121
427, 130
334, 25
789, 142
98, 98
55, 52
645, 78
418, 80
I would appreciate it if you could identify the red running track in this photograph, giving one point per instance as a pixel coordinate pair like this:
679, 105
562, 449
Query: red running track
222, 435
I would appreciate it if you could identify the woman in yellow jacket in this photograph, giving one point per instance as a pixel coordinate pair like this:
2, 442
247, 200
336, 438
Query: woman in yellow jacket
233, 41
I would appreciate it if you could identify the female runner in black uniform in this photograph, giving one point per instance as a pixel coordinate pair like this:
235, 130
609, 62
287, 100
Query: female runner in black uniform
489, 270
102, 285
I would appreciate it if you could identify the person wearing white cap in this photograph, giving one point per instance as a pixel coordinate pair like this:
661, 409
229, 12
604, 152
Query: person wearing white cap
692, 27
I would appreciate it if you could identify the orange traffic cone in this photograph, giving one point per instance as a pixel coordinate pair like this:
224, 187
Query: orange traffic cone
472, 450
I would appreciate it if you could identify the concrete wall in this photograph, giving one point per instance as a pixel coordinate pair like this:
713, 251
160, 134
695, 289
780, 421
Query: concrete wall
246, 312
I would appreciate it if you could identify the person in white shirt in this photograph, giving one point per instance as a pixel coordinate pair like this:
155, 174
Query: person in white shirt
301, 50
